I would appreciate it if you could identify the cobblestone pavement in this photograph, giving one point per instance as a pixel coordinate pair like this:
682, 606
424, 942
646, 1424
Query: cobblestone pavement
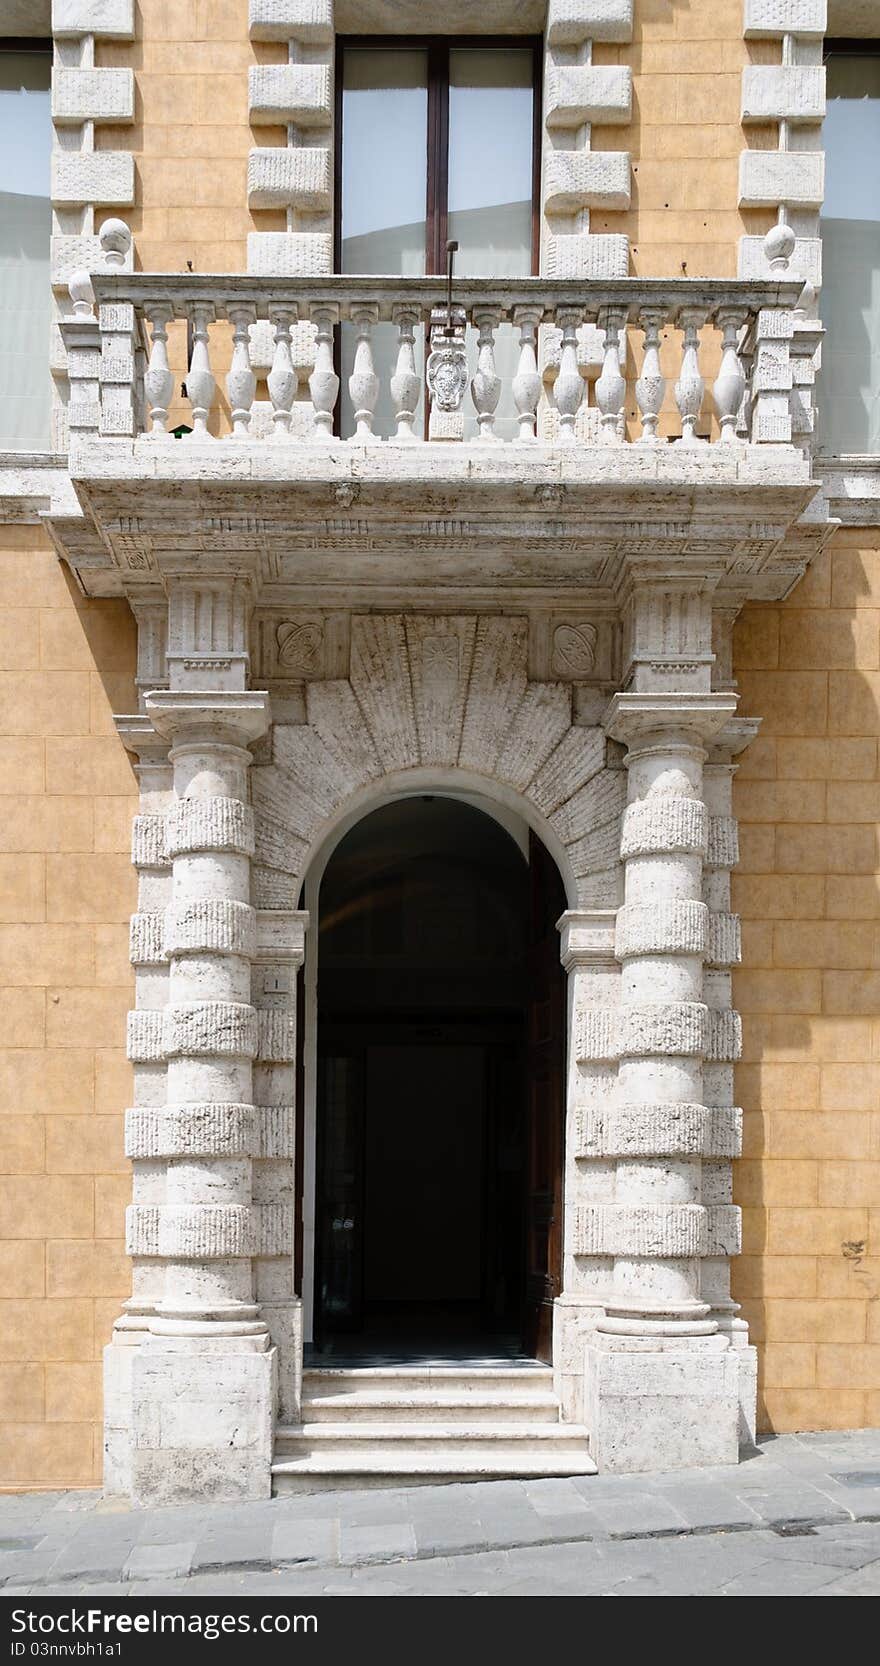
799, 1518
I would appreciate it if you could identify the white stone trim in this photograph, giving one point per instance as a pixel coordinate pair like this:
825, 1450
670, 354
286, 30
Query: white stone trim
284, 178
100, 176
769, 19
109, 19
666, 1230
770, 177
103, 95
571, 22
145, 946
281, 20
575, 179
213, 925
148, 848
210, 1029
783, 92
289, 254
211, 1129
579, 93
222, 824
145, 1041
299, 93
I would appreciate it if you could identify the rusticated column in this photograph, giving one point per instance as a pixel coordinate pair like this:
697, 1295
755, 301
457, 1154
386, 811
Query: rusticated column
662, 1381
203, 1385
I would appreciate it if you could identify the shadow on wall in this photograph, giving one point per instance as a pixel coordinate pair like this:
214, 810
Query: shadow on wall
808, 891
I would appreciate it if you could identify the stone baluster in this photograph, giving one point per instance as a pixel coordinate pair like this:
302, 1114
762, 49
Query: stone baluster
651, 385
486, 383
241, 383
158, 378
527, 381
282, 380
568, 389
611, 386
657, 1342
363, 383
200, 382
208, 1353
324, 382
730, 383
406, 384
689, 386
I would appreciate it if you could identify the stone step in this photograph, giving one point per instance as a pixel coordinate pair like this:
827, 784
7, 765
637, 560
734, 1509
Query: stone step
444, 1445
326, 1472
466, 1379
458, 1405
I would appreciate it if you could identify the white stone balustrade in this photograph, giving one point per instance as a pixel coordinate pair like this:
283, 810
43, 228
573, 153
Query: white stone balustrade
742, 332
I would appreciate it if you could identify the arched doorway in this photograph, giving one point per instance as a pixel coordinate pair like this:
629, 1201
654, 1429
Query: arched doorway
439, 1087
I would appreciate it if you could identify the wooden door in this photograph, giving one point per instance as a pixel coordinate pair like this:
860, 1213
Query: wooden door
545, 1067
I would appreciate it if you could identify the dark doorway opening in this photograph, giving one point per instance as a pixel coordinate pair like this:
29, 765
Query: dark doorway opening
439, 1089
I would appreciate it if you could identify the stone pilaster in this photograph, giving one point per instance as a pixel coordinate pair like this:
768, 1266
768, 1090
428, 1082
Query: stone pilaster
587, 952
204, 1380
662, 1379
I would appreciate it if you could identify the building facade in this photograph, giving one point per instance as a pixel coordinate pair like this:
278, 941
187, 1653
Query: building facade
439, 605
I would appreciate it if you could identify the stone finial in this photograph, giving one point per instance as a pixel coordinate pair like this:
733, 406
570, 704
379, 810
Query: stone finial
779, 247
82, 294
115, 240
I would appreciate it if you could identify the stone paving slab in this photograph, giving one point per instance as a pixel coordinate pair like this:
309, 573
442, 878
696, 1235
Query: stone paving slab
804, 1512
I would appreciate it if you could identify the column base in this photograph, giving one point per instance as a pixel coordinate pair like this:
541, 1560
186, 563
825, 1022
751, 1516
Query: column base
203, 1418
656, 1403
574, 1324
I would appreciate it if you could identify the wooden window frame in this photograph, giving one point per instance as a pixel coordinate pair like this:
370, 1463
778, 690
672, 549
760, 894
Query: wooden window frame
438, 49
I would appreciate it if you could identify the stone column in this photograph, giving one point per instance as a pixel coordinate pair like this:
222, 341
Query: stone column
204, 1380
661, 1380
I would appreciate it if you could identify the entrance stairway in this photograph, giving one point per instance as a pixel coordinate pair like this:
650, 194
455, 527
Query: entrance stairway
410, 1425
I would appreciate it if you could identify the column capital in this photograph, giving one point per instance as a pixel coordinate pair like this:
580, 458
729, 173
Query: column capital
636, 719
587, 937
140, 736
224, 717
281, 936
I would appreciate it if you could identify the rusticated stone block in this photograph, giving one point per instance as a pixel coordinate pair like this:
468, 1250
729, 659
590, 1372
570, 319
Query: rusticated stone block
768, 177
211, 926
669, 823
661, 928
145, 940
724, 1038
206, 1232
290, 178
141, 1229
575, 179
196, 824
569, 22
109, 19
289, 254
722, 843
676, 1028
587, 255
209, 1129
274, 1229
580, 93
148, 842
103, 95
723, 1229
723, 942
669, 1231
304, 20
596, 1034
213, 1028
783, 92
98, 176
277, 1037
70, 252
145, 1043
768, 19
671, 1130
299, 93
723, 1131
275, 1131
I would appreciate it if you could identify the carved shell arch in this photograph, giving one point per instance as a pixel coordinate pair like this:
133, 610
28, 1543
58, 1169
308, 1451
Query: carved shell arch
436, 702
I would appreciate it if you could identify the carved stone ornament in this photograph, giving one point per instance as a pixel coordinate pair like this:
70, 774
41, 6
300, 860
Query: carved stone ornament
299, 647
447, 374
574, 649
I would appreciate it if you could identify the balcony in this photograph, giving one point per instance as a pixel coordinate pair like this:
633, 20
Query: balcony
660, 420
